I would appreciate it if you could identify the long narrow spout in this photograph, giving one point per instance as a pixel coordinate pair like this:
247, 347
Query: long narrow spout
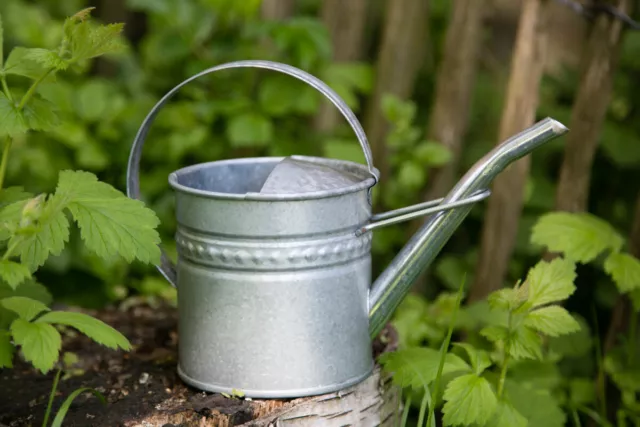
395, 282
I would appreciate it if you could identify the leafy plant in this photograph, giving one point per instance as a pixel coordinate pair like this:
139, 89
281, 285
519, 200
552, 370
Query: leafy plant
34, 227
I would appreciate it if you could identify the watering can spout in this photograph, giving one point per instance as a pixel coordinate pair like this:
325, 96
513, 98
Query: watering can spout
395, 282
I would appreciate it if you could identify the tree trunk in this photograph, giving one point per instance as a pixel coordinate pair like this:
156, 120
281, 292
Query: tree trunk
589, 110
454, 89
277, 9
345, 21
142, 388
401, 54
505, 204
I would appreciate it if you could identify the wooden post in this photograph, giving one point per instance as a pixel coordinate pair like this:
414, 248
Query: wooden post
505, 204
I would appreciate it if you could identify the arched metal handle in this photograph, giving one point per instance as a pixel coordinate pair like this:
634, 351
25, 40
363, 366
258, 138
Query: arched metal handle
166, 267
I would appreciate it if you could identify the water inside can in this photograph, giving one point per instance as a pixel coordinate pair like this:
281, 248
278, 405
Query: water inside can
292, 176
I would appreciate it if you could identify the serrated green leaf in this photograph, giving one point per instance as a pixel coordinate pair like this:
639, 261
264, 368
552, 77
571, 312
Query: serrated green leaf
89, 40
40, 343
6, 350
624, 269
29, 289
13, 273
11, 121
506, 416
20, 65
525, 343
550, 281
95, 329
479, 359
495, 333
110, 223
12, 194
37, 114
25, 308
575, 344
579, 236
538, 406
417, 367
505, 299
469, 400
553, 321
47, 237
47, 58
249, 130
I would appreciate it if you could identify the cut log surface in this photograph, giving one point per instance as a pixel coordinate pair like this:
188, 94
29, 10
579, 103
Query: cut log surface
143, 390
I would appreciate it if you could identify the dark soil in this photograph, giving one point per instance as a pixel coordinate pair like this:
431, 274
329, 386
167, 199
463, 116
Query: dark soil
141, 386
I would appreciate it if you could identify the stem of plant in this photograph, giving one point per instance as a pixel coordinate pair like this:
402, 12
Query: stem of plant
27, 96
405, 411
51, 397
11, 248
633, 332
423, 407
5, 88
505, 362
5, 160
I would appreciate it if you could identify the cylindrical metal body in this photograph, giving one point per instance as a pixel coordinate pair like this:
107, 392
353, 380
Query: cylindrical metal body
272, 289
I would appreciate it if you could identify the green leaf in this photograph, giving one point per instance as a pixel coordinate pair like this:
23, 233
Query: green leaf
64, 408
624, 269
579, 236
417, 367
47, 58
469, 400
95, 329
507, 299
40, 343
350, 74
47, 237
434, 154
278, 95
25, 308
110, 223
6, 349
525, 343
19, 64
89, 40
479, 358
495, 333
553, 321
37, 114
538, 406
550, 281
12, 194
249, 129
506, 416
11, 120
575, 344
29, 289
13, 273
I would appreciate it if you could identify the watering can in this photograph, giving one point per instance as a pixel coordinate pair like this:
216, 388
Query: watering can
274, 258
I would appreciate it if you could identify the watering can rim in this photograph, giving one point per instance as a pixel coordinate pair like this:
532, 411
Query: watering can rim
366, 181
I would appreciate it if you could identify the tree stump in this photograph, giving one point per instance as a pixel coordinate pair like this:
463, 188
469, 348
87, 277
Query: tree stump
143, 390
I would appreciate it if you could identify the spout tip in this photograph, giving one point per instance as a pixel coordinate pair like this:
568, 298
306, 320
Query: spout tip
557, 127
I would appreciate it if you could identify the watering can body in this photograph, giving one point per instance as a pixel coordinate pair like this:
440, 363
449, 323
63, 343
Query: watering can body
275, 294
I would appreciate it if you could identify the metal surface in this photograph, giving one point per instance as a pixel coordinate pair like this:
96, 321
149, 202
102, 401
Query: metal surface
166, 266
394, 283
400, 215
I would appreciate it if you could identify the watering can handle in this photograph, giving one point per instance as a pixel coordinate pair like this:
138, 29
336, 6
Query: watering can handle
166, 267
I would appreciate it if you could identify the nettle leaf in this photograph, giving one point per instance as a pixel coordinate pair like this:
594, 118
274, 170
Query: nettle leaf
19, 64
506, 416
6, 350
580, 236
25, 308
47, 236
13, 273
469, 400
417, 367
47, 58
110, 223
553, 321
525, 343
550, 281
95, 329
479, 359
40, 343
624, 269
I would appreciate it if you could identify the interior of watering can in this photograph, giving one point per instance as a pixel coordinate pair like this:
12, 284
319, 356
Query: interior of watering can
249, 175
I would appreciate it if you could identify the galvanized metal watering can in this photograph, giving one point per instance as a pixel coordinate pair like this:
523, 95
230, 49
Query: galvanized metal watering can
274, 267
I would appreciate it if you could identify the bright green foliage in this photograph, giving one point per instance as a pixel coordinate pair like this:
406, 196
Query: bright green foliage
13, 273
581, 237
6, 350
469, 399
417, 367
624, 269
19, 64
250, 129
524, 343
552, 320
538, 406
479, 359
506, 416
550, 282
93, 328
12, 194
25, 308
40, 343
